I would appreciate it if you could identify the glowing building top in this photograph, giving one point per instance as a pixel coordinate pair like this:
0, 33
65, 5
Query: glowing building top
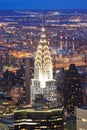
43, 62
43, 82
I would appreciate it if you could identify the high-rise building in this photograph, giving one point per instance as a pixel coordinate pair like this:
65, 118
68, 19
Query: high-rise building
27, 80
43, 82
29, 66
72, 89
59, 76
38, 119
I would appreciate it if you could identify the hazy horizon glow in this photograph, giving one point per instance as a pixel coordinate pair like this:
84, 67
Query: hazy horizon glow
43, 4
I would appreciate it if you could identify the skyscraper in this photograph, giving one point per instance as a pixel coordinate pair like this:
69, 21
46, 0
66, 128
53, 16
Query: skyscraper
72, 89
43, 82
27, 80
29, 65
38, 119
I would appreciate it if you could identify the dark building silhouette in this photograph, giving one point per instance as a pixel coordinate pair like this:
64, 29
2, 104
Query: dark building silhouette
29, 71
72, 89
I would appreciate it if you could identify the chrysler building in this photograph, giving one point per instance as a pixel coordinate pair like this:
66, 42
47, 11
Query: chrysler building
43, 82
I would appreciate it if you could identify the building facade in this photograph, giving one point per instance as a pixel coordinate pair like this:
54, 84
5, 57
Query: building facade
39, 119
72, 90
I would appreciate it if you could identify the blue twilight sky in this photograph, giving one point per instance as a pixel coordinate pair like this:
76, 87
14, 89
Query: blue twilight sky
43, 4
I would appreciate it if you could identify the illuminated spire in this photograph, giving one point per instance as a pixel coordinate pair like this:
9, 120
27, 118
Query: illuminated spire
43, 56
43, 63
43, 82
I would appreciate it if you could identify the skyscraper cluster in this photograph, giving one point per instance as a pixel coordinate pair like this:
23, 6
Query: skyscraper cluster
44, 113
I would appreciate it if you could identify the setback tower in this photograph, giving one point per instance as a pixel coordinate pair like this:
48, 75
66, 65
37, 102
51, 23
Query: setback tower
43, 82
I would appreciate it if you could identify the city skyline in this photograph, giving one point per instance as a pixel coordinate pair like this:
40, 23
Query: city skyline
39, 4
43, 69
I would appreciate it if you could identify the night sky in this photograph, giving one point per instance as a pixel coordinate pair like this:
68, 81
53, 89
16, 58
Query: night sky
43, 4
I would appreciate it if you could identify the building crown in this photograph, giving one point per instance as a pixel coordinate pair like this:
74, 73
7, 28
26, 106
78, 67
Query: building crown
43, 55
